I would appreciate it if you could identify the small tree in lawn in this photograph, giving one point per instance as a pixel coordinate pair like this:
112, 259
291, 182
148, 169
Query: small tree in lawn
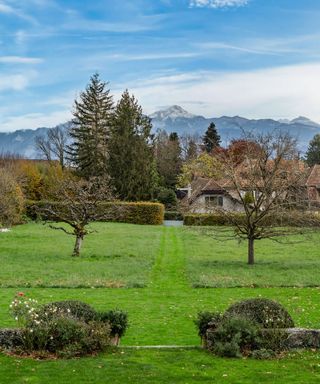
268, 183
76, 202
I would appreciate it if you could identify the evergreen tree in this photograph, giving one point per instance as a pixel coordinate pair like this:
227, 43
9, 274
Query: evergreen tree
91, 128
168, 157
192, 150
211, 138
313, 152
131, 164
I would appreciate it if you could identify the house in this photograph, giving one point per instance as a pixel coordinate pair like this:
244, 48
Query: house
205, 195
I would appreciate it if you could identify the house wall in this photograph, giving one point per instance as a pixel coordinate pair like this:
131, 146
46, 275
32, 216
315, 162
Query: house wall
199, 205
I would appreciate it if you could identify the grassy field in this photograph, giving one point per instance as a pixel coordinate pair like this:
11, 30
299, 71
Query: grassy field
214, 263
166, 262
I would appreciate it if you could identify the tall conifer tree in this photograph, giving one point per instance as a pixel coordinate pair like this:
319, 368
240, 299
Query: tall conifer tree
91, 129
131, 164
211, 138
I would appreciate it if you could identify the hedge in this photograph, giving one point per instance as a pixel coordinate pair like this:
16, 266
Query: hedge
122, 212
173, 215
290, 219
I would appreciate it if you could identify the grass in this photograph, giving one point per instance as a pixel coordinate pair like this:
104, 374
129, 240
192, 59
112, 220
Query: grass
115, 255
214, 263
162, 366
166, 261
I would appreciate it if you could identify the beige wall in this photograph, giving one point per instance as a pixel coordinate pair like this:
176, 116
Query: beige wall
199, 206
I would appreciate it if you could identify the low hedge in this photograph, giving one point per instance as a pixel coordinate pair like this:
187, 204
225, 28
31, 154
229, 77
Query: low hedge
290, 219
173, 215
122, 212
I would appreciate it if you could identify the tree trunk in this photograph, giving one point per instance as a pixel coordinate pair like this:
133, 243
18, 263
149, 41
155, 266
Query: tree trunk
77, 246
250, 251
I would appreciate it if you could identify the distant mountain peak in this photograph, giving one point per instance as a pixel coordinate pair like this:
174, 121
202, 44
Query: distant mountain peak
173, 112
304, 120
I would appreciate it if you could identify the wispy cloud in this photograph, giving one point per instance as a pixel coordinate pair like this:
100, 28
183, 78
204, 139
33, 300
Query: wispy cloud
286, 91
5, 8
218, 3
15, 82
20, 60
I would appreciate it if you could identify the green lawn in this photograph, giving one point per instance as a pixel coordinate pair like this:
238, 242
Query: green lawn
166, 262
216, 263
114, 255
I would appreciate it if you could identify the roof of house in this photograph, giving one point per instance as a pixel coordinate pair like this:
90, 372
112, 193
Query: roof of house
202, 185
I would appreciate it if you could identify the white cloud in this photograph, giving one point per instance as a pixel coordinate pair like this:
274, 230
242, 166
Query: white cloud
272, 92
218, 3
19, 60
5, 8
35, 120
16, 82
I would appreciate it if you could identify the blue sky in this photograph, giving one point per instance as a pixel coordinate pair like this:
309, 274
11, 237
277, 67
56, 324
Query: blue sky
255, 58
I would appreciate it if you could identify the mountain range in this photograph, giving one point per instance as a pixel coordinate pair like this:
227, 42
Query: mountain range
176, 119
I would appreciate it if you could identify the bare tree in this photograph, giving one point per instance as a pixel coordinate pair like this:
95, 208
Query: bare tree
77, 203
53, 145
269, 184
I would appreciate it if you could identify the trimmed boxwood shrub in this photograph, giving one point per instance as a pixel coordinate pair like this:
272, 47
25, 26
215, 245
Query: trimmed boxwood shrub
235, 337
267, 313
117, 319
255, 327
122, 212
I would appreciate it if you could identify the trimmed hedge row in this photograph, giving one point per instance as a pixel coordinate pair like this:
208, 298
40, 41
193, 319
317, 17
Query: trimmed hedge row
122, 212
173, 215
291, 219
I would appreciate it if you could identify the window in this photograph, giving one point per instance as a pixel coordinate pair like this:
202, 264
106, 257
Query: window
214, 201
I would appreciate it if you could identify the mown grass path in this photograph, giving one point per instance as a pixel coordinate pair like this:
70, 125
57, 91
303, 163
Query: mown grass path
169, 271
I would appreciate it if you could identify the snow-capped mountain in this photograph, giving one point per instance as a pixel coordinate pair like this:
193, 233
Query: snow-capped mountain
172, 113
177, 119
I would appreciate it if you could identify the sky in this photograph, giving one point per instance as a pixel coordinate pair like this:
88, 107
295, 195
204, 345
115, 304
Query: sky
253, 58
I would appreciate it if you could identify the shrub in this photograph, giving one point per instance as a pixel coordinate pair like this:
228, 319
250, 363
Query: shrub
206, 320
290, 219
168, 198
71, 308
173, 215
267, 313
123, 212
11, 202
117, 319
235, 336
66, 336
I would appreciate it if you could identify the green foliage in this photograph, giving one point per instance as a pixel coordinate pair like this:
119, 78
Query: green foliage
173, 215
11, 200
291, 219
122, 212
211, 138
130, 153
235, 336
117, 319
168, 198
267, 313
66, 336
90, 129
206, 320
204, 165
313, 152
168, 158
72, 308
